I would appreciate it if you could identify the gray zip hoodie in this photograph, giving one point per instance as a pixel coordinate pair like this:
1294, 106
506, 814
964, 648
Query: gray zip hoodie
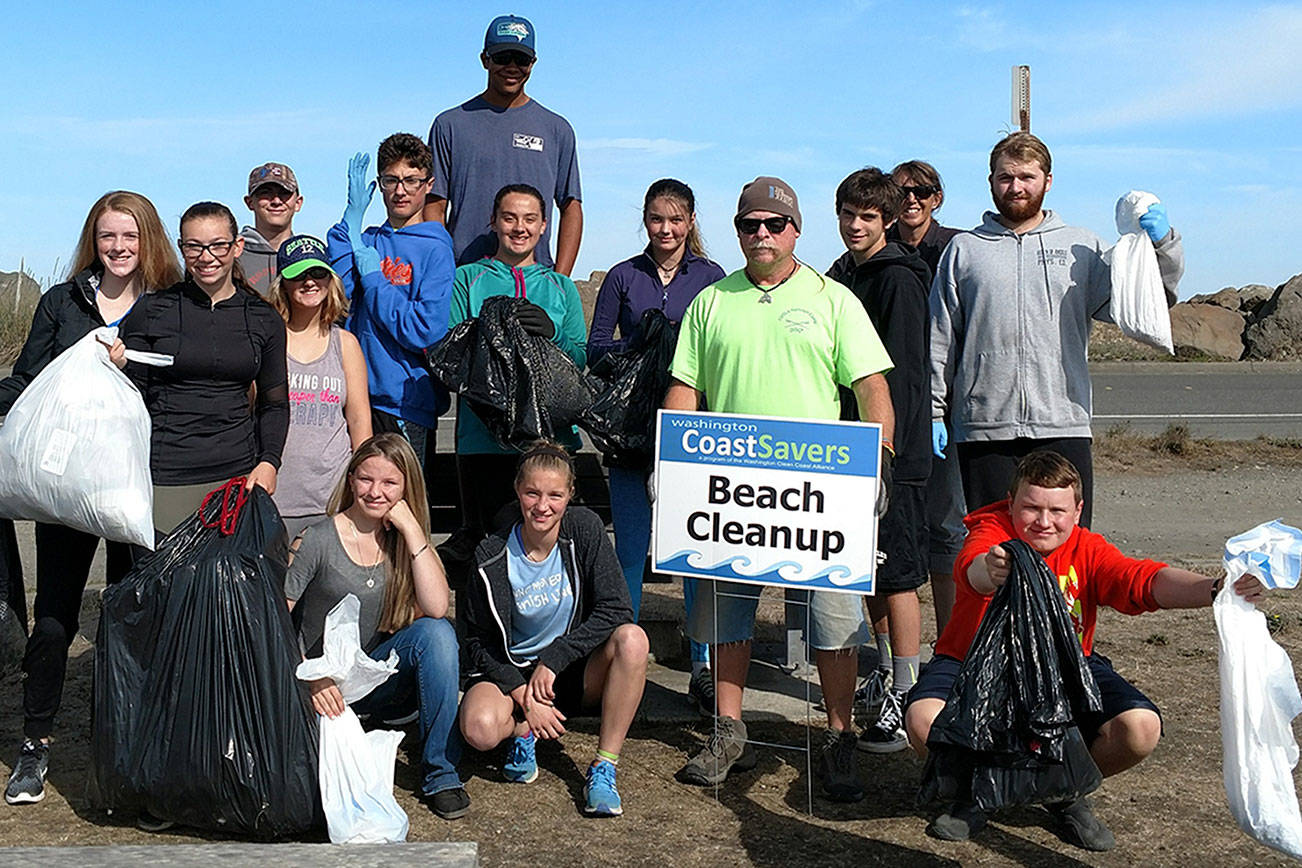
1010, 321
258, 261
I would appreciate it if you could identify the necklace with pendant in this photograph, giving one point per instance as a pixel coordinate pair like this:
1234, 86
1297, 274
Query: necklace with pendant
379, 556
765, 298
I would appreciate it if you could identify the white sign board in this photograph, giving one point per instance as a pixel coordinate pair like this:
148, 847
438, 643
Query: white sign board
786, 502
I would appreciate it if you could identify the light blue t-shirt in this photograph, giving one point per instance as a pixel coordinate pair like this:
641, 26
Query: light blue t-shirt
544, 600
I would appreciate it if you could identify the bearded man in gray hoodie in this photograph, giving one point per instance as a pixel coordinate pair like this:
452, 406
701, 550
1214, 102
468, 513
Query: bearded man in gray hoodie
1011, 307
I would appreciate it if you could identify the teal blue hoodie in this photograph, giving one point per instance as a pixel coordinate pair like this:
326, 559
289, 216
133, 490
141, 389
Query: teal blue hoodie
554, 293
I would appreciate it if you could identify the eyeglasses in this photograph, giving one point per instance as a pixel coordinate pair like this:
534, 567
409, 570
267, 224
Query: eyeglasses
389, 183
751, 225
921, 191
316, 273
511, 58
193, 249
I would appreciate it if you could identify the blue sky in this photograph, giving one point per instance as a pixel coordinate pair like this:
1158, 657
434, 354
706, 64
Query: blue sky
1199, 103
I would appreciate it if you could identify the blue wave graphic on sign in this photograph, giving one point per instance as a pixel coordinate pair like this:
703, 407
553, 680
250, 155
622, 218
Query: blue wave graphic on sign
770, 575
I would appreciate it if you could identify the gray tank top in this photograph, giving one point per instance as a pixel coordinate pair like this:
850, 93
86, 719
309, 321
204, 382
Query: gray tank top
317, 450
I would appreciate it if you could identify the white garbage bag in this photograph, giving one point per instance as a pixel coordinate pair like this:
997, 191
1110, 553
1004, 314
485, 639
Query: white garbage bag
1259, 694
1138, 303
74, 448
356, 767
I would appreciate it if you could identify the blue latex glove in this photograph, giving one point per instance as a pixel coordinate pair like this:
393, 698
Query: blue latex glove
1155, 222
359, 197
939, 439
367, 259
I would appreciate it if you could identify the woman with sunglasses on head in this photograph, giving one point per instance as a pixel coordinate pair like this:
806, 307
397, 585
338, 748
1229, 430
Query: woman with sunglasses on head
122, 254
330, 410
225, 342
552, 310
375, 546
549, 630
666, 276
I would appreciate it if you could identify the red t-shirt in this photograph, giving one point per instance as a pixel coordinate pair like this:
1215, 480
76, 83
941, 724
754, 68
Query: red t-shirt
1090, 571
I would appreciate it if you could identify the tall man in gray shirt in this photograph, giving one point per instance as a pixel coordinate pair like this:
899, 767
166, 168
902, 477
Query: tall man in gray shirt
1011, 305
503, 137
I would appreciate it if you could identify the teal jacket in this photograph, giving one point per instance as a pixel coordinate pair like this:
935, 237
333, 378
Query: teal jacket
554, 293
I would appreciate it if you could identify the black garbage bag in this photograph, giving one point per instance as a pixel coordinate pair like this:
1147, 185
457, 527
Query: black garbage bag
198, 717
621, 421
1007, 734
521, 386
13, 601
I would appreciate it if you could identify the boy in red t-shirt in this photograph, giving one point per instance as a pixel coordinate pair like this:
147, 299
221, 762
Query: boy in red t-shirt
1043, 510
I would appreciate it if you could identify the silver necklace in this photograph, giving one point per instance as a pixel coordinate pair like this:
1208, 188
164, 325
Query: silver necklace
379, 556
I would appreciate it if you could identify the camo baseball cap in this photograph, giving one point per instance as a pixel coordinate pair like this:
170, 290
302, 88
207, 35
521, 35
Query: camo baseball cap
273, 173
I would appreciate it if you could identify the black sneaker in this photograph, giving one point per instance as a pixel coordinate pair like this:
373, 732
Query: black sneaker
837, 768
449, 804
1078, 825
726, 751
871, 691
27, 782
701, 691
887, 734
958, 823
148, 822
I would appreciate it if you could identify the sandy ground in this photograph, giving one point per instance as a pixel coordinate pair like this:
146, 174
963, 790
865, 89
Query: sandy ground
1169, 811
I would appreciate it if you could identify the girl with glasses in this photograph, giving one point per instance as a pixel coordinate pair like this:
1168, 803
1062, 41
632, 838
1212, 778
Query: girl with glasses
330, 410
121, 255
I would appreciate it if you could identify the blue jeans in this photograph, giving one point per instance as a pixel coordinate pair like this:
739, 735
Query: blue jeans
631, 513
426, 681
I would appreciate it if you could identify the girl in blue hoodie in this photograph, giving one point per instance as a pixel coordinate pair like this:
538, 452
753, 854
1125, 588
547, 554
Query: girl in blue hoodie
553, 311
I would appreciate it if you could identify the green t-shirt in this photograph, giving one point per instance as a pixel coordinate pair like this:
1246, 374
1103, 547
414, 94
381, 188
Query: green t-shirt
784, 357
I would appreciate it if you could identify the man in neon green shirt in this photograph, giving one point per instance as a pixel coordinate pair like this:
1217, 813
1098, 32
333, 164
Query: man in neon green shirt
777, 338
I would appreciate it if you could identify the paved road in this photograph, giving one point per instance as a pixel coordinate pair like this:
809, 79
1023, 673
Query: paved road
1226, 401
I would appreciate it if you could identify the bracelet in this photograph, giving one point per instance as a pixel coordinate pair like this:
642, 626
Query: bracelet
1216, 587
420, 551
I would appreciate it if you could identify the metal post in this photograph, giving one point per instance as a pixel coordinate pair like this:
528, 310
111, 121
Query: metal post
1022, 98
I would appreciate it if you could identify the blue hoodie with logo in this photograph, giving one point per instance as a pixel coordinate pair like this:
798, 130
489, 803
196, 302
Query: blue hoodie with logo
399, 312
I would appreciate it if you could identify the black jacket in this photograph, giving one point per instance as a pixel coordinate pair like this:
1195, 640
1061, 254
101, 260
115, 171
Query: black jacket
203, 427
893, 286
65, 314
933, 243
601, 601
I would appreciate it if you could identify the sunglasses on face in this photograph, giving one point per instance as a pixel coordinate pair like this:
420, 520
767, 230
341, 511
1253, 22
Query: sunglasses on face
511, 58
921, 191
751, 225
316, 273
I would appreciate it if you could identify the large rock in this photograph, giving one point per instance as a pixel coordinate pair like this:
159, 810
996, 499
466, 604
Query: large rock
1208, 330
1227, 298
1253, 297
588, 293
1276, 330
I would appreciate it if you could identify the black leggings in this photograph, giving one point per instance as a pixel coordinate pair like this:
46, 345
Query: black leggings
63, 559
987, 467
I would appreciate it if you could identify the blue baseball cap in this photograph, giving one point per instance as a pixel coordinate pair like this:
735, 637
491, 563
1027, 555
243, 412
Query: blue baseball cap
300, 253
509, 33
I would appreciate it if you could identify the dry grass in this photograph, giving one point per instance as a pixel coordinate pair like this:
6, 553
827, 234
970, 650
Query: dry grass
1121, 448
15, 318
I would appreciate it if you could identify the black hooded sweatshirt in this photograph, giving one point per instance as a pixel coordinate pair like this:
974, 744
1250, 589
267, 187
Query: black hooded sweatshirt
893, 286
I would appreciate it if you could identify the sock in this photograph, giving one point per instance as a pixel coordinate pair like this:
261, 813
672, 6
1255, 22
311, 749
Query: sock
606, 756
698, 666
884, 651
906, 673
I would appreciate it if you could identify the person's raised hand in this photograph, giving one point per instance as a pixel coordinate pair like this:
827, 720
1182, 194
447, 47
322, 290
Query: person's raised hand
939, 439
360, 192
1155, 222
999, 563
326, 698
535, 320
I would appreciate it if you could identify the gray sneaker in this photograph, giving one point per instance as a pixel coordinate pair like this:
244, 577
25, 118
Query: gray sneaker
837, 769
27, 782
726, 750
700, 690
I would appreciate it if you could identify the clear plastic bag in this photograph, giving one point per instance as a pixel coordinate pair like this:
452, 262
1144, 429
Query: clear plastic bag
1259, 693
356, 767
1138, 305
74, 448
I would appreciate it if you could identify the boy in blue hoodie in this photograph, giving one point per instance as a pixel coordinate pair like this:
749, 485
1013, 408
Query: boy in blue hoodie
398, 277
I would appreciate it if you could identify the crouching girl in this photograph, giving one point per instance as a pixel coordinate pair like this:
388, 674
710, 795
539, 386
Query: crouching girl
375, 545
549, 631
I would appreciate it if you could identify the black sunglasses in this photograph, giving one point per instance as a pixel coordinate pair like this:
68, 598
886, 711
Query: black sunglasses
511, 58
921, 191
751, 225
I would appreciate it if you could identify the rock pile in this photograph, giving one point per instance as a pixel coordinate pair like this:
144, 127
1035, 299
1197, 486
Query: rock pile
1251, 322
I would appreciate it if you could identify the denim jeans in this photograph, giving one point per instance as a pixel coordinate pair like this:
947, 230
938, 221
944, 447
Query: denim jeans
631, 514
426, 682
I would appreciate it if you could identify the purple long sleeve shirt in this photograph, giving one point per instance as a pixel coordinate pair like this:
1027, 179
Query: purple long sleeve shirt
633, 286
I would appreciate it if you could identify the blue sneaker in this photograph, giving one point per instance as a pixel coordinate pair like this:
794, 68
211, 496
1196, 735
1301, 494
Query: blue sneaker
599, 792
521, 766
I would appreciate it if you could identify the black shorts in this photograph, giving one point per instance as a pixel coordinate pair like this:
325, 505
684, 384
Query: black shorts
1118, 695
568, 687
902, 539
